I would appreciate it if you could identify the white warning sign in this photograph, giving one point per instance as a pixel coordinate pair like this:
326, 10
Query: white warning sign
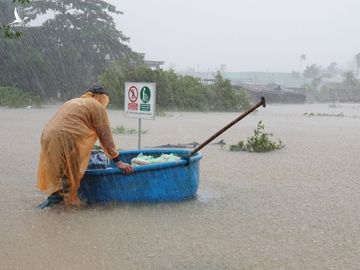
140, 100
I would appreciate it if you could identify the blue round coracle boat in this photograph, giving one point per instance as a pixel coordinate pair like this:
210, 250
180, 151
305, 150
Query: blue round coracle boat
161, 182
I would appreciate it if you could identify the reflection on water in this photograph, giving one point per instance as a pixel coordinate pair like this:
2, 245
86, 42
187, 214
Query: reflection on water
206, 194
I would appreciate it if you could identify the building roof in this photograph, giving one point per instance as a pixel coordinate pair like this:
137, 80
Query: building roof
279, 78
288, 80
272, 87
153, 64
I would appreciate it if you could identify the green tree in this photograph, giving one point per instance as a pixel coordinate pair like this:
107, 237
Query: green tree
350, 81
312, 71
172, 91
68, 52
8, 31
223, 97
332, 70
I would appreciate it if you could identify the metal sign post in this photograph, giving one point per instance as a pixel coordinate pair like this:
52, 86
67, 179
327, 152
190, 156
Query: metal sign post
139, 134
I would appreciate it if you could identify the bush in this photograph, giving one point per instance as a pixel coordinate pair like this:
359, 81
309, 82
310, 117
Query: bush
341, 114
123, 130
173, 91
259, 142
15, 98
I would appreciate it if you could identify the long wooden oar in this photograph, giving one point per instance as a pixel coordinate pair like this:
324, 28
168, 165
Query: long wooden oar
253, 108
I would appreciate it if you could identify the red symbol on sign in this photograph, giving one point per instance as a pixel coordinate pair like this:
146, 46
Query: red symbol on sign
133, 94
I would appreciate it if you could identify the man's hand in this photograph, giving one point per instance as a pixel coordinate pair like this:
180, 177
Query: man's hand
126, 168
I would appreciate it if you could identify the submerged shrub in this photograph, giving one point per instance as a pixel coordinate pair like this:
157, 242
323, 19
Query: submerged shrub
341, 114
15, 98
259, 142
124, 130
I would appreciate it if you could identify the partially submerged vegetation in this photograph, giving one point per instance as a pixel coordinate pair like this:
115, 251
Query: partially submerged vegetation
341, 115
324, 114
259, 142
124, 130
15, 98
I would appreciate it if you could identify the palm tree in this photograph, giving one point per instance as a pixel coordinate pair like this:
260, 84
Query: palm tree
350, 80
357, 59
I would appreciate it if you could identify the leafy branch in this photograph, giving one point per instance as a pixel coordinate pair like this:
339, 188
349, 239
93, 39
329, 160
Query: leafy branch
259, 142
22, 1
8, 31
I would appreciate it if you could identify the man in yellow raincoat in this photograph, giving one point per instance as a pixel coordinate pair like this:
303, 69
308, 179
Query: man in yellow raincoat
66, 144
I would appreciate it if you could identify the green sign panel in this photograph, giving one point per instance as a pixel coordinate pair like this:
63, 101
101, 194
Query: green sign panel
145, 107
145, 94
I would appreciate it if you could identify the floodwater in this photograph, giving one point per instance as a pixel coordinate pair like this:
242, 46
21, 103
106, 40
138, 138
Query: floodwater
296, 208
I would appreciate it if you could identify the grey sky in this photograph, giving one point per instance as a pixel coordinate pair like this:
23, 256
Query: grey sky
245, 35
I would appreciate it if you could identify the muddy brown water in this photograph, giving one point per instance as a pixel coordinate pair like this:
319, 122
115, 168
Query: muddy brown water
297, 208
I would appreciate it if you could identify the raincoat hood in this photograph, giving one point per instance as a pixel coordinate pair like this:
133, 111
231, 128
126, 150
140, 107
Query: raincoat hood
102, 98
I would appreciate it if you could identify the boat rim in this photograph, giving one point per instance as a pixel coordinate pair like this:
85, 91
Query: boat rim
150, 167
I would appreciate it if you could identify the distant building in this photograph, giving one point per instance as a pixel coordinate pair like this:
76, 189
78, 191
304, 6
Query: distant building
273, 93
288, 80
334, 90
337, 94
276, 87
154, 64
151, 63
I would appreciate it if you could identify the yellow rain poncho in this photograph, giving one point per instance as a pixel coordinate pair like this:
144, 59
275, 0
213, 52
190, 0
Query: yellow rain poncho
67, 141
